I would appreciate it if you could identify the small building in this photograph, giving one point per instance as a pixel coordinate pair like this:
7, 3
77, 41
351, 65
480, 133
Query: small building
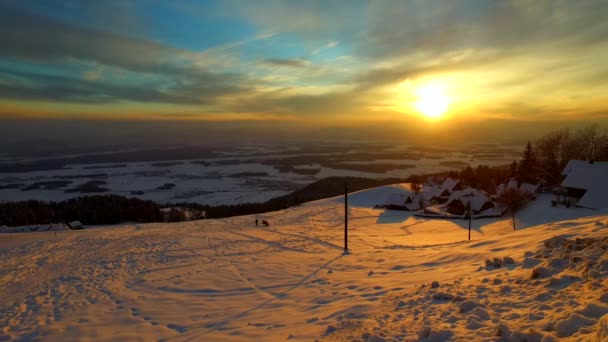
586, 184
75, 225
477, 200
526, 189
415, 202
456, 207
529, 190
451, 184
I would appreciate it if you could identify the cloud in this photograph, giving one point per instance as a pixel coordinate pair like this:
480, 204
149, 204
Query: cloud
511, 51
164, 74
292, 63
513, 26
310, 19
34, 86
30, 37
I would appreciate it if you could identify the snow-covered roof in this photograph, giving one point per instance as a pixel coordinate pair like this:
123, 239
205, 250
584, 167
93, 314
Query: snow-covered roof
431, 191
527, 188
478, 200
449, 184
469, 195
500, 189
578, 164
512, 185
415, 203
592, 179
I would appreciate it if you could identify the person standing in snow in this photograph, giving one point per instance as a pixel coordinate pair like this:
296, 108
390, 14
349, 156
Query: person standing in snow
256, 222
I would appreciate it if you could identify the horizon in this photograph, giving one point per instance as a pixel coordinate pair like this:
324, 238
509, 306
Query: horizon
304, 67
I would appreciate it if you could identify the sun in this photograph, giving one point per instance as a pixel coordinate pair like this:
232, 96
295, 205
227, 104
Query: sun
432, 101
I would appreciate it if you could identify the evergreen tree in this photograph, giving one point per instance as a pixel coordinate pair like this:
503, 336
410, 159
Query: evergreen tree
513, 170
528, 166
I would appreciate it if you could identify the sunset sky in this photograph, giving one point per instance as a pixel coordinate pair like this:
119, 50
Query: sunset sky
309, 61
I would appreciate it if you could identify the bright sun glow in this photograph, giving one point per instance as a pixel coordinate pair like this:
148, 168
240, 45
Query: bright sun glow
432, 101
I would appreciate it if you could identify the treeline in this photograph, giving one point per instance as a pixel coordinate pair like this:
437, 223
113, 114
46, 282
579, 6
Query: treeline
483, 177
324, 188
91, 210
112, 209
544, 159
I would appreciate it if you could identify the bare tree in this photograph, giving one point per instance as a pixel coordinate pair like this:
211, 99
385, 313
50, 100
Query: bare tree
416, 184
588, 139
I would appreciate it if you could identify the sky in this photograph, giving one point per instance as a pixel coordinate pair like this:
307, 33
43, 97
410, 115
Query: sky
303, 62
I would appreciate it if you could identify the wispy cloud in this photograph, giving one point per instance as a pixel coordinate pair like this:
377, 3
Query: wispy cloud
292, 63
508, 58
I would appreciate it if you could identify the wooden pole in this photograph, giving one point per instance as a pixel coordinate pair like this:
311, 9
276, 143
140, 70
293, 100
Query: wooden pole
513, 218
469, 224
345, 217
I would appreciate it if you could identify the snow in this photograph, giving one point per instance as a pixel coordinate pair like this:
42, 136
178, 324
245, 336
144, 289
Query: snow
528, 189
53, 227
593, 179
215, 183
500, 189
75, 224
512, 185
405, 278
582, 164
449, 184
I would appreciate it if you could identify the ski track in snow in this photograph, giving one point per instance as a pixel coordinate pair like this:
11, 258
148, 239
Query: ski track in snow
227, 280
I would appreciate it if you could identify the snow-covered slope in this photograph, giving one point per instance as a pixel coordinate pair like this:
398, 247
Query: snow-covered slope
227, 280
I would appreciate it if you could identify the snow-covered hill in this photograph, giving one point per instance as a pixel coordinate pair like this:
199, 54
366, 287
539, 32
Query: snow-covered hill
405, 278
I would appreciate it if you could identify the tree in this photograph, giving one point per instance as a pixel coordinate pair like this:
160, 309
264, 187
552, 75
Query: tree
513, 201
527, 166
588, 139
513, 170
416, 184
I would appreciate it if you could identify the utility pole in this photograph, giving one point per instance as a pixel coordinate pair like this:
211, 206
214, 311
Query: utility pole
345, 217
469, 224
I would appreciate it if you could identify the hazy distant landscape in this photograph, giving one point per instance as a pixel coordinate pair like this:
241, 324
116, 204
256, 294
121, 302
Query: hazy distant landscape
284, 170
206, 175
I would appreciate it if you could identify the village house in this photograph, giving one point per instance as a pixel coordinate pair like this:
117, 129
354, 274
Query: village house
585, 184
526, 189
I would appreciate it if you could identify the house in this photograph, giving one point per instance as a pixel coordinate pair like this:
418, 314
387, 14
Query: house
586, 183
75, 225
177, 214
526, 189
529, 190
477, 200
432, 193
578, 164
480, 203
458, 204
456, 207
451, 184
415, 202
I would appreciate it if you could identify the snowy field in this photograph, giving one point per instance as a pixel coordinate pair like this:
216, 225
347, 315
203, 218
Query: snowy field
248, 174
227, 280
